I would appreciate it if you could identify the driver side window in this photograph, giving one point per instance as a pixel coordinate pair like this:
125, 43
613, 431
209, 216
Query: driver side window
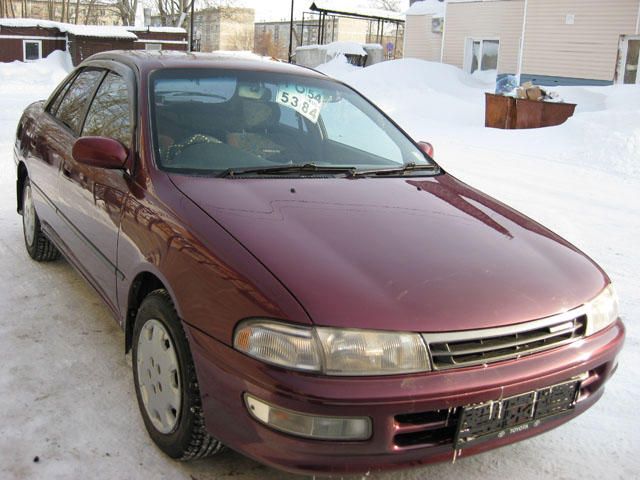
110, 112
73, 104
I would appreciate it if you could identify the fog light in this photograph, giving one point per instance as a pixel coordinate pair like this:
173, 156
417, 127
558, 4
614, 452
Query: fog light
310, 426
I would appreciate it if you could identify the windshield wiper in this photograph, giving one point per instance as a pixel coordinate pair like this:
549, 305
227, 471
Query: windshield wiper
296, 168
409, 167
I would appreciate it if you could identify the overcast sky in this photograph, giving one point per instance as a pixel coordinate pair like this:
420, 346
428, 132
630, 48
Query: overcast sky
279, 9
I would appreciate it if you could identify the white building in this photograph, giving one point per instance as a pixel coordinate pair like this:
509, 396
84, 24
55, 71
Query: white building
551, 42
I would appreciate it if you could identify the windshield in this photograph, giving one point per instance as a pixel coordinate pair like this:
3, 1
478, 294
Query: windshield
210, 121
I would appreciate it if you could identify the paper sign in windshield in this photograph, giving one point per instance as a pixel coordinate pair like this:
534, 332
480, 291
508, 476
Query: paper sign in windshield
306, 101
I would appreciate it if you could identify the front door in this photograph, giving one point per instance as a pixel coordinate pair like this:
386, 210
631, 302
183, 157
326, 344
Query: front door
630, 58
93, 197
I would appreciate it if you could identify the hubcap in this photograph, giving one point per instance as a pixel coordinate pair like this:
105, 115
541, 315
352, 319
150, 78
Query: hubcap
159, 376
28, 216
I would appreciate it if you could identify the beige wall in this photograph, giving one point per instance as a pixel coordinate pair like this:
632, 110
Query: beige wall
588, 48
500, 19
348, 30
225, 28
419, 41
236, 32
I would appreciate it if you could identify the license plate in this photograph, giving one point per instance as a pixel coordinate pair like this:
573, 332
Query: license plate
496, 419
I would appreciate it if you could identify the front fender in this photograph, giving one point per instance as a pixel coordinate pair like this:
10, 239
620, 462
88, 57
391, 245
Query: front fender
214, 281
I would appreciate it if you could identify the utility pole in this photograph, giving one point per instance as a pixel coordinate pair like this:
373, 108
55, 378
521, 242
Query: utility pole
291, 33
191, 26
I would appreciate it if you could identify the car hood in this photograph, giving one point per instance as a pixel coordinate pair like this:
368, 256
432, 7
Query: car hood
424, 254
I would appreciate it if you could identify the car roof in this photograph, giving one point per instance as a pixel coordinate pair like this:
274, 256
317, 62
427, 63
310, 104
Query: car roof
147, 60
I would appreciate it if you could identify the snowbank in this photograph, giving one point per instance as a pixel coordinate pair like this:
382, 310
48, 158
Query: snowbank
23, 83
486, 76
442, 104
414, 92
337, 66
33, 79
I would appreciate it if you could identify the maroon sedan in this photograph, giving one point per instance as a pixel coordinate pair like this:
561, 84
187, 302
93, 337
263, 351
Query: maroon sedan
296, 277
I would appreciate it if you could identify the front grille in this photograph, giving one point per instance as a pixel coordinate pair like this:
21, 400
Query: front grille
479, 347
426, 429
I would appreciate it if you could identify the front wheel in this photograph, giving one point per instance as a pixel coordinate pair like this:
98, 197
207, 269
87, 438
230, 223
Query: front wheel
38, 245
166, 384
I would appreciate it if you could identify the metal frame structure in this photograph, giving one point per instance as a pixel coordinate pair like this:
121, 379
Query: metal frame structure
319, 17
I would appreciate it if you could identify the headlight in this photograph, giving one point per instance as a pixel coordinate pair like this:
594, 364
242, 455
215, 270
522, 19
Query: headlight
333, 351
279, 344
602, 311
370, 352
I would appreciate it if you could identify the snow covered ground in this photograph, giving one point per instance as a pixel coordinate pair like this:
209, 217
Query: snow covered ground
66, 393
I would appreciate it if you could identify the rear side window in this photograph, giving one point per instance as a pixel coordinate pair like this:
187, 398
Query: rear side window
109, 114
75, 100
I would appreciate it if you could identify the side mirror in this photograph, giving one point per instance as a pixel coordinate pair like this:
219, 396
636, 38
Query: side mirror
100, 152
427, 148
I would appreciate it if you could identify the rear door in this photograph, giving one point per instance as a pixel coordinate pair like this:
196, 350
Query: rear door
92, 198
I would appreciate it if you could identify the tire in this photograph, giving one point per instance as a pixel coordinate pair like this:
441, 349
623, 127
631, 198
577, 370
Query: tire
38, 245
169, 402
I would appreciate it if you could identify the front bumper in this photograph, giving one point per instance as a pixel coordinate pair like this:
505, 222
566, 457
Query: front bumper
414, 416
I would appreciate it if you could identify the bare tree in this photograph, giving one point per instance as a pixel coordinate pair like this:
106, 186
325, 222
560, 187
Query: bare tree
175, 12
7, 9
127, 11
89, 12
391, 5
267, 47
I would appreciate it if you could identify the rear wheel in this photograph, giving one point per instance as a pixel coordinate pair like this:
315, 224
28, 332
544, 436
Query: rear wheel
166, 383
38, 245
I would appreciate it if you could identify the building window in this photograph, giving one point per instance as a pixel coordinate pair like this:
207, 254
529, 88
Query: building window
481, 54
153, 46
32, 50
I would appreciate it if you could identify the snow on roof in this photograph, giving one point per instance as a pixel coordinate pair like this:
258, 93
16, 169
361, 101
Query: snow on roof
97, 31
77, 30
157, 29
427, 7
371, 12
347, 48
